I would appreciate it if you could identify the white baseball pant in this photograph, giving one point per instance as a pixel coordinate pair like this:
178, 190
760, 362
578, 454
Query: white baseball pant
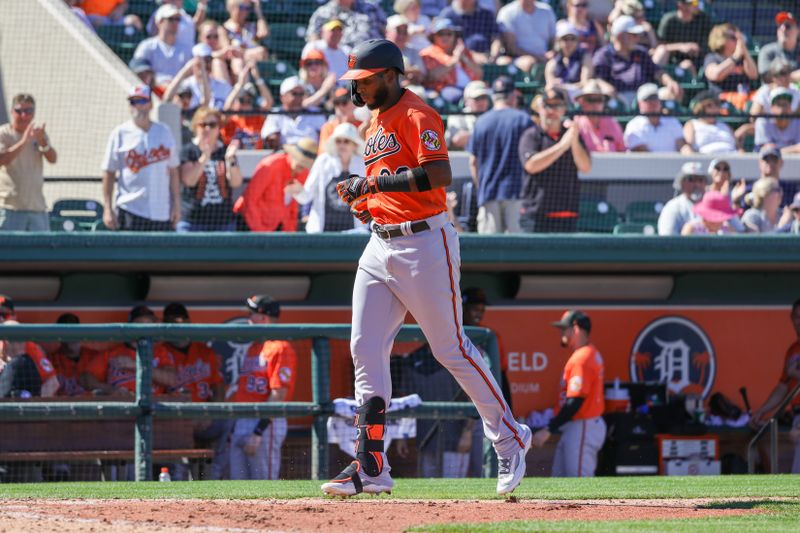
420, 273
576, 451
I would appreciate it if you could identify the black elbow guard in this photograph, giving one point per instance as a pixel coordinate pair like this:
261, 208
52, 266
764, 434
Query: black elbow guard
421, 179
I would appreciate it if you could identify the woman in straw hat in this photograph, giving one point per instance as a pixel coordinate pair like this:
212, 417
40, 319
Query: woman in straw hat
715, 215
340, 159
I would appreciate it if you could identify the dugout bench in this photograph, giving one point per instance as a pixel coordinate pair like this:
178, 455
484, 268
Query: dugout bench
104, 445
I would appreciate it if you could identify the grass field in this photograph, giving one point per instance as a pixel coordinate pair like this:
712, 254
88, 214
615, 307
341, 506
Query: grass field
778, 497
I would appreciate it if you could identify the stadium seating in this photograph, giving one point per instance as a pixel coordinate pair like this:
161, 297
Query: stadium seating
596, 216
643, 211
274, 72
639, 228
121, 39
76, 215
286, 41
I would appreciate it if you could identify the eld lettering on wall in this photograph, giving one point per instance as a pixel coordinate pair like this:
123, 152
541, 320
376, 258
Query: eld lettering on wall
524, 362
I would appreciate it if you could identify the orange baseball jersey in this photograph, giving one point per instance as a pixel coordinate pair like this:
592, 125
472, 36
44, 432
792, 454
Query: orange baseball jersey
197, 369
583, 378
43, 364
792, 358
69, 371
405, 136
125, 378
267, 366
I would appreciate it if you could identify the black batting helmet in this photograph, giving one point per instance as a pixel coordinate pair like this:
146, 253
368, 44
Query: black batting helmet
371, 57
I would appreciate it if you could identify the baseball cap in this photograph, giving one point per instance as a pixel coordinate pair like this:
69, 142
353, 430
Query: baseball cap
564, 28
573, 317
474, 295
264, 304
175, 310
140, 91
785, 16
780, 92
6, 303
140, 311
68, 318
647, 91
396, 21
313, 55
625, 24
201, 50
476, 89
139, 65
371, 57
795, 202
692, 168
166, 11
502, 85
333, 24
769, 150
716, 161
291, 83
554, 93
442, 24
591, 88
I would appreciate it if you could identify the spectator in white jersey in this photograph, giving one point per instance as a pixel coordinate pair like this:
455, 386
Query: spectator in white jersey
142, 160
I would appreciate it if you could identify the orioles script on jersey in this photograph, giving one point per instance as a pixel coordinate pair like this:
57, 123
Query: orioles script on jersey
136, 161
380, 145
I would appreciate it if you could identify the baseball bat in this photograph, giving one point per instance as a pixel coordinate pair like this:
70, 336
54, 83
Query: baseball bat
743, 392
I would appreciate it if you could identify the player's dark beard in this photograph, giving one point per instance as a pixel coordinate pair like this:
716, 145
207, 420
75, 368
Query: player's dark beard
381, 94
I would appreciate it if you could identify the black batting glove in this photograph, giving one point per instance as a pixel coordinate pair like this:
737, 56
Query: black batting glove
356, 187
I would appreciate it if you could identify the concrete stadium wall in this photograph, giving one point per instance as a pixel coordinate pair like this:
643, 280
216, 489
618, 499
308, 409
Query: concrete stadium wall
79, 84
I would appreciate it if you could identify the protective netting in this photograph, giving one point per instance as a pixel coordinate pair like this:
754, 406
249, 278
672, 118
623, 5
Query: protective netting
723, 80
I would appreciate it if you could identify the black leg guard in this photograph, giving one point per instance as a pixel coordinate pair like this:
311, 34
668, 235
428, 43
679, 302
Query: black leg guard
371, 422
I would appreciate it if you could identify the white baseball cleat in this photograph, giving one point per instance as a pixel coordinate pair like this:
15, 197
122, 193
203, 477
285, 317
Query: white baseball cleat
511, 470
353, 481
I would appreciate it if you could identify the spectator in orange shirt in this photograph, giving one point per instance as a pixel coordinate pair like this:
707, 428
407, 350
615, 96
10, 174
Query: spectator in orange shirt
343, 111
448, 61
70, 360
267, 374
264, 206
114, 371
110, 12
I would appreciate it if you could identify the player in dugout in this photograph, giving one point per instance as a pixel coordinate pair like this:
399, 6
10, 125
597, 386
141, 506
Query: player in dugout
580, 416
113, 372
267, 374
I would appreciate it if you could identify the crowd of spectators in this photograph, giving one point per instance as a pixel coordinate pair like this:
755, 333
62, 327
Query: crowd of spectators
600, 57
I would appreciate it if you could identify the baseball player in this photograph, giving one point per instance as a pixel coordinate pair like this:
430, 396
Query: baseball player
70, 360
788, 381
411, 263
580, 417
25, 372
267, 374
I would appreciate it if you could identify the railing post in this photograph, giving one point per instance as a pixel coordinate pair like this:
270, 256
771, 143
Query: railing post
143, 438
493, 354
773, 445
321, 396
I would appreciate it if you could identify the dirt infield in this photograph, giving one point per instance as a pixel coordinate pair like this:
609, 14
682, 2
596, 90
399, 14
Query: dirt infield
316, 514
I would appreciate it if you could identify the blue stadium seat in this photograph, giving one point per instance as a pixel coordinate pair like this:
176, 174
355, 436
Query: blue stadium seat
643, 211
639, 228
76, 215
596, 216
123, 40
286, 41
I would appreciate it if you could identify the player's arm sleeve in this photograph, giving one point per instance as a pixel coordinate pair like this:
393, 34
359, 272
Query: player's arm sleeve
568, 410
283, 374
425, 134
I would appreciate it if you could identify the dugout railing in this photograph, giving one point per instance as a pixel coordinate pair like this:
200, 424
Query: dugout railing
144, 408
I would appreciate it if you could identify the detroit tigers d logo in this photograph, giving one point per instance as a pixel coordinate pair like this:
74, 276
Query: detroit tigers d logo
676, 351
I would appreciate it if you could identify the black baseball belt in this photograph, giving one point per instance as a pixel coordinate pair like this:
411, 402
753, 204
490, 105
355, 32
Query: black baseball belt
391, 231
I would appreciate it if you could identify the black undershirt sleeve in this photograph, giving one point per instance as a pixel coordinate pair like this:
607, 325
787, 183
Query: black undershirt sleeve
566, 413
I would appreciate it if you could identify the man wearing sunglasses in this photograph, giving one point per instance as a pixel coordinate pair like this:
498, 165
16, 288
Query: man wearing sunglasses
785, 46
23, 146
141, 159
328, 44
165, 53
